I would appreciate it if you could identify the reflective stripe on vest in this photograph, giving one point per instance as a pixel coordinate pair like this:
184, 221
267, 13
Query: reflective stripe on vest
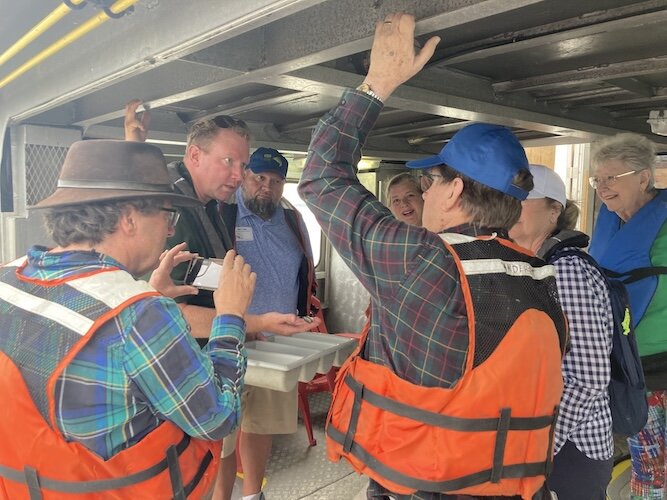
164, 460
400, 434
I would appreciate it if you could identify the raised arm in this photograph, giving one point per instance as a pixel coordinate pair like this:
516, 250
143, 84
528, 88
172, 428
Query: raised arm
356, 223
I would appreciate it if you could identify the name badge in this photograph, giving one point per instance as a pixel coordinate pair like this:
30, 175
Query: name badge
244, 234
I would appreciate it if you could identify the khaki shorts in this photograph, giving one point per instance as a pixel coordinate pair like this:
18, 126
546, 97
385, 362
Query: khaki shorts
264, 411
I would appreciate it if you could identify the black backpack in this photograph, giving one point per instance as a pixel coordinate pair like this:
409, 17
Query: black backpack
627, 389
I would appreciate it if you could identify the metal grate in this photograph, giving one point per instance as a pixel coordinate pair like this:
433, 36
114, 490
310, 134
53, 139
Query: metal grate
42, 166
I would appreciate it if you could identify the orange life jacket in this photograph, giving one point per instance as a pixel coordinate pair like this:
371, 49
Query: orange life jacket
36, 461
490, 434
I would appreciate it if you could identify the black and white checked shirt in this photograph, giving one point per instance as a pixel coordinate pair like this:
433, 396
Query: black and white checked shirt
585, 417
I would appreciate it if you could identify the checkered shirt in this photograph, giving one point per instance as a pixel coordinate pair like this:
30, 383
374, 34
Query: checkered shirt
585, 417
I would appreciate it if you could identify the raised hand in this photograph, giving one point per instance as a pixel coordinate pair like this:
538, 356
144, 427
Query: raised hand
236, 286
136, 124
394, 59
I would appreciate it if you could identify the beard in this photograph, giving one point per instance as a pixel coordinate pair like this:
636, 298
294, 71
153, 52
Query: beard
262, 208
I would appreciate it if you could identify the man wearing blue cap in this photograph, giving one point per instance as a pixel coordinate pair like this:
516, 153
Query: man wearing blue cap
456, 387
271, 235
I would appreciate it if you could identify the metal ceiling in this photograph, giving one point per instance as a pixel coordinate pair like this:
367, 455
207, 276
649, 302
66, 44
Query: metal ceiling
556, 71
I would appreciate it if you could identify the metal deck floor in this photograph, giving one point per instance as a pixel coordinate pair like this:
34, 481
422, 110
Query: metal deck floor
297, 471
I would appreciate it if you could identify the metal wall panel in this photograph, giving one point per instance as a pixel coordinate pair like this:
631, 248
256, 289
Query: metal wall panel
37, 155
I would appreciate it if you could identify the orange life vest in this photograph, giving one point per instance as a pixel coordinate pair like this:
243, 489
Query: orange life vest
490, 434
37, 462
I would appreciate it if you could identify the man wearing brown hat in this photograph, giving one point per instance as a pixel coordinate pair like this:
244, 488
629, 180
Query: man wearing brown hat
104, 390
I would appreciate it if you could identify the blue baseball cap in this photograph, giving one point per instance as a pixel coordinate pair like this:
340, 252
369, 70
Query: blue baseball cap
488, 154
268, 160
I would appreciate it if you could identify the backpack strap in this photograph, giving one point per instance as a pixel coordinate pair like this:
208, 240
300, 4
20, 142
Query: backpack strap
560, 240
307, 282
576, 252
636, 274
228, 213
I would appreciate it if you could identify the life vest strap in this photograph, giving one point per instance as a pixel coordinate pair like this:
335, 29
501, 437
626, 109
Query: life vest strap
175, 475
30, 476
203, 467
437, 419
358, 390
552, 431
501, 441
33, 483
514, 471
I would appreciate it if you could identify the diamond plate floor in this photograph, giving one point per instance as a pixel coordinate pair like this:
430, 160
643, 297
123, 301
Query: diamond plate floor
297, 471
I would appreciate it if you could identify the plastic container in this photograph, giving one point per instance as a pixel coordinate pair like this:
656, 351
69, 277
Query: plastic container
280, 362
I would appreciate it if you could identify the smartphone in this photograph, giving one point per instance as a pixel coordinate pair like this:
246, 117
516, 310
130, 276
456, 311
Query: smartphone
204, 273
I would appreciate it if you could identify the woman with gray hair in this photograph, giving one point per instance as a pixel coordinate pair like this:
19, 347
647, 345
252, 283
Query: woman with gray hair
583, 443
630, 238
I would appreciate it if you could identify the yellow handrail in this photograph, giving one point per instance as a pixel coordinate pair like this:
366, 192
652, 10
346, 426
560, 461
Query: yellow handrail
72, 36
56, 15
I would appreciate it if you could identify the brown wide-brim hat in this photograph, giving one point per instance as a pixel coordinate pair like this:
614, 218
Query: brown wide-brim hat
107, 170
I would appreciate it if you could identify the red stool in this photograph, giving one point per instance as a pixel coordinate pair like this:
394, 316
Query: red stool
322, 382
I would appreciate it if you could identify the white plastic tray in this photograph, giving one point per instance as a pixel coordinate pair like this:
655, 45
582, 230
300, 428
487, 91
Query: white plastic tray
280, 362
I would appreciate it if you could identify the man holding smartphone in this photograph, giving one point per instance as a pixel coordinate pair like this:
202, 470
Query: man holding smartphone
105, 392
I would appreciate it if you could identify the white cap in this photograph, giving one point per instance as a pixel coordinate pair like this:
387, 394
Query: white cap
547, 184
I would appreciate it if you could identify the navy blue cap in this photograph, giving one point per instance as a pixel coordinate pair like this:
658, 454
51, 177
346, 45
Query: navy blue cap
268, 160
488, 154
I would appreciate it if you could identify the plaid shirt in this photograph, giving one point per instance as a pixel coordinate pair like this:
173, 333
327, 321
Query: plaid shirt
142, 368
419, 322
585, 417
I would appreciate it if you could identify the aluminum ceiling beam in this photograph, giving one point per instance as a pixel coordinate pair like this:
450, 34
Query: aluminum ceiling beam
388, 150
444, 102
611, 20
429, 127
660, 95
319, 34
178, 76
324, 33
634, 86
626, 69
260, 101
140, 44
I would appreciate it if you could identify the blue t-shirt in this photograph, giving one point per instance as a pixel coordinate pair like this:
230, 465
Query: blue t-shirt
274, 253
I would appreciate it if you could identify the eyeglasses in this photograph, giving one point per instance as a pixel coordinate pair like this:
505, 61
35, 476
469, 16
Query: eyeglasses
265, 179
426, 179
608, 180
226, 121
174, 215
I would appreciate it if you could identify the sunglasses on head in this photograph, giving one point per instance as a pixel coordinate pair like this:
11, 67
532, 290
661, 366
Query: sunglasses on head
226, 121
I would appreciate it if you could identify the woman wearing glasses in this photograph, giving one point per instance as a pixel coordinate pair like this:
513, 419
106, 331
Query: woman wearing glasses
630, 237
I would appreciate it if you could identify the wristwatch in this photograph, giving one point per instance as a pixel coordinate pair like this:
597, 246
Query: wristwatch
366, 89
